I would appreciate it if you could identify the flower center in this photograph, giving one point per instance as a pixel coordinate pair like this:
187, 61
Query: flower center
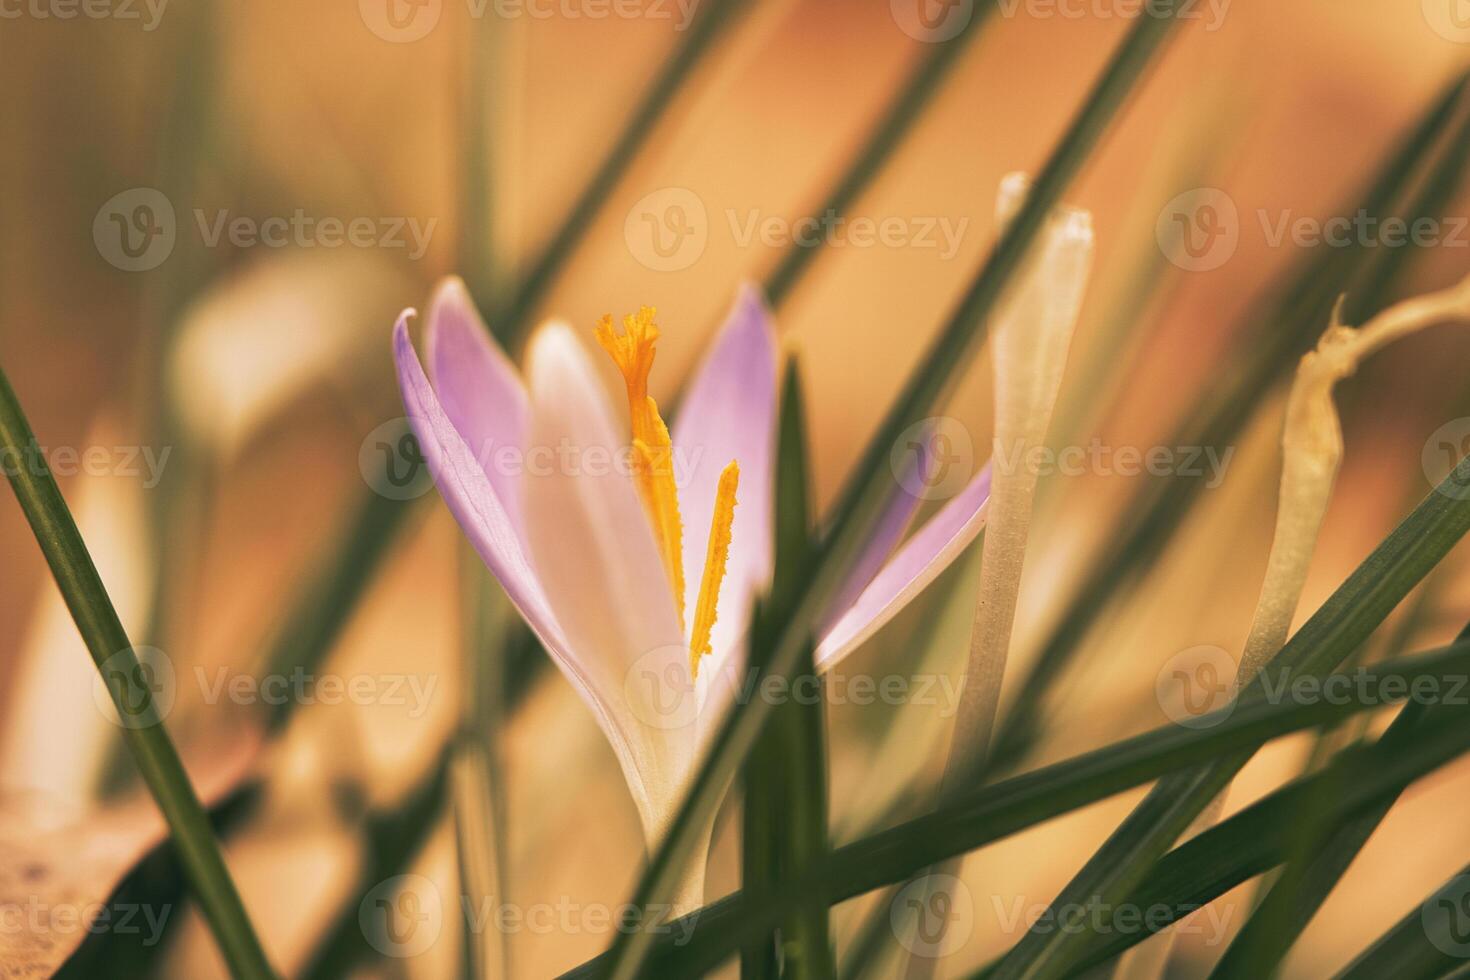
653, 475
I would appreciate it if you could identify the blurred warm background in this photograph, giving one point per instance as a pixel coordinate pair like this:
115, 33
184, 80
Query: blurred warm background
263, 369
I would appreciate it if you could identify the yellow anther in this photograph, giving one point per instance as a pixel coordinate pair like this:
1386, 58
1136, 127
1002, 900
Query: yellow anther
715, 557
653, 475
653, 451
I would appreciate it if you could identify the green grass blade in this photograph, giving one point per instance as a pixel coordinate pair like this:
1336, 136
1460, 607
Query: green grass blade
1318, 862
1314, 871
1407, 951
147, 739
1263, 835
990, 813
1343, 622
786, 774
1287, 323
868, 488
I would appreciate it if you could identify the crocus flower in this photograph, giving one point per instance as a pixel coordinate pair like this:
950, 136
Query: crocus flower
634, 553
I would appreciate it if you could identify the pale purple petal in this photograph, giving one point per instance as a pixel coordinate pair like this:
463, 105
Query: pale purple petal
892, 524
467, 492
479, 390
929, 552
729, 413
474, 503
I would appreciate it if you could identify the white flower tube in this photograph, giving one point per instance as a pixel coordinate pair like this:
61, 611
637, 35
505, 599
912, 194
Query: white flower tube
1029, 340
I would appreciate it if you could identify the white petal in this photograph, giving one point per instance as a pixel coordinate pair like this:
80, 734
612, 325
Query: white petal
596, 557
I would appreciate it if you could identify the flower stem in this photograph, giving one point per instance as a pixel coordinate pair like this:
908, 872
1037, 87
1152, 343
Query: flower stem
1311, 452
147, 740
